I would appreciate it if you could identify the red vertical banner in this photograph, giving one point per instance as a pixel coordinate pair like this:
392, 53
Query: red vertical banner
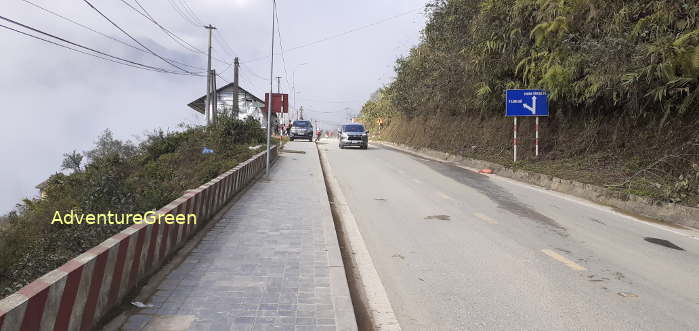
280, 102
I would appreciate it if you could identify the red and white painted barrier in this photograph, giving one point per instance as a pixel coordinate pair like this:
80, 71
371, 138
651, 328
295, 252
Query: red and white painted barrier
78, 294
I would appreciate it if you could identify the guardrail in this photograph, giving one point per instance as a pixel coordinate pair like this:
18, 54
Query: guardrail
78, 294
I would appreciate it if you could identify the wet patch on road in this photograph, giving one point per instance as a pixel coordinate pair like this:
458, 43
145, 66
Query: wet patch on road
663, 242
399, 256
505, 200
438, 217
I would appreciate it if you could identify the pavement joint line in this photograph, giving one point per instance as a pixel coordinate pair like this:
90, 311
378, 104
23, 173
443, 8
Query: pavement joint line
485, 218
564, 260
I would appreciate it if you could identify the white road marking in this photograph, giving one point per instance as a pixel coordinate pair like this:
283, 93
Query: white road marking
564, 260
444, 196
485, 218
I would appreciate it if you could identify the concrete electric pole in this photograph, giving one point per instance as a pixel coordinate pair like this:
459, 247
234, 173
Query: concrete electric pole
236, 86
207, 107
214, 97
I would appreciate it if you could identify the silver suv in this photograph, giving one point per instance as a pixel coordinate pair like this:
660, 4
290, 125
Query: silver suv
353, 134
301, 130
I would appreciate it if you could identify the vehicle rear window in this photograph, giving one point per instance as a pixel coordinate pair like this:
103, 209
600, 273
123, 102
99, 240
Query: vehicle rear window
302, 124
353, 128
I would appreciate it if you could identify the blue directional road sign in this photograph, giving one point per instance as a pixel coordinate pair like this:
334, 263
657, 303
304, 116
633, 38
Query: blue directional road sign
527, 103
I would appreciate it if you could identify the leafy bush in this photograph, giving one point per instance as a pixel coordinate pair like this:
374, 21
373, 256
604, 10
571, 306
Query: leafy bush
120, 177
622, 77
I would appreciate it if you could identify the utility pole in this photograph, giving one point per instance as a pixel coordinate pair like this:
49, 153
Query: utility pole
236, 86
214, 97
207, 107
301, 113
271, 86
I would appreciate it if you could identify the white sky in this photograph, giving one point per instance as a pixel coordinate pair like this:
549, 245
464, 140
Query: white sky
55, 100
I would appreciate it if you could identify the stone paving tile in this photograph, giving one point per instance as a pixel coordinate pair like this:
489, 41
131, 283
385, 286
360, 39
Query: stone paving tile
263, 266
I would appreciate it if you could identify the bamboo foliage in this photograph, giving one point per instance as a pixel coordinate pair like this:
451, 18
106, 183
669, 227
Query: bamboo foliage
615, 55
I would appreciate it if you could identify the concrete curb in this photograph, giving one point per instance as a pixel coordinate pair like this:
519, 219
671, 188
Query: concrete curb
344, 311
624, 202
371, 290
77, 295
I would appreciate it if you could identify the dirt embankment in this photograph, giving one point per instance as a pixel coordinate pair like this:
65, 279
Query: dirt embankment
619, 154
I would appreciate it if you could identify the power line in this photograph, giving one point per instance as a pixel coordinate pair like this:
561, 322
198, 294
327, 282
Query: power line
102, 34
330, 101
191, 11
104, 56
221, 77
248, 82
281, 47
182, 14
182, 42
256, 75
186, 45
135, 40
226, 46
341, 34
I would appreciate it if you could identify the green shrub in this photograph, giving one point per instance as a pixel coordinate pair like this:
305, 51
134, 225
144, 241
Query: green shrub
120, 177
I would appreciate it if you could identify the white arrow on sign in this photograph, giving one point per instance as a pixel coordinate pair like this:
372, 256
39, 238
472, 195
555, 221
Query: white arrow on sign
531, 108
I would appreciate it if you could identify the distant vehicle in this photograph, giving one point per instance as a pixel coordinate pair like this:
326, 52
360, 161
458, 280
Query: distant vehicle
301, 130
353, 135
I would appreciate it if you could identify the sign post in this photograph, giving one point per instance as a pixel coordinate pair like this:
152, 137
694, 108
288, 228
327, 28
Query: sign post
526, 103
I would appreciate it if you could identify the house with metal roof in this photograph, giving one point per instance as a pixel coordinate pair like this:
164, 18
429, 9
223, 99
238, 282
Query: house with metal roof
248, 104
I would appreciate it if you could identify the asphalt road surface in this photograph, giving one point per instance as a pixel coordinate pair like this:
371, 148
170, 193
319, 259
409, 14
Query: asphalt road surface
461, 251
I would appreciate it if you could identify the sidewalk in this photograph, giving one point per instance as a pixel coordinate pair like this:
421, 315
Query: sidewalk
271, 263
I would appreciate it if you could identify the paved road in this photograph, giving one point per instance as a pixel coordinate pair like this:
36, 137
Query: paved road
457, 250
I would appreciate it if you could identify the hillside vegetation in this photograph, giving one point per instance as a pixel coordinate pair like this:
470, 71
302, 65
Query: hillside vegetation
118, 177
621, 76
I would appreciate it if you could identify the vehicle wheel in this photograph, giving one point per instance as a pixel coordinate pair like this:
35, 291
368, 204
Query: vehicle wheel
365, 146
341, 147
292, 139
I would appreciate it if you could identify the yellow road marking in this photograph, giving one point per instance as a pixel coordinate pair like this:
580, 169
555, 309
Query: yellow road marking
485, 218
563, 260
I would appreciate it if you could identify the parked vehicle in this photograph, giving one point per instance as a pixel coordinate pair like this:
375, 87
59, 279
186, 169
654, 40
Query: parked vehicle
353, 134
301, 130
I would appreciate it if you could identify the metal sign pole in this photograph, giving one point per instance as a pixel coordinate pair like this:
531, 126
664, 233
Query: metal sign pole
536, 139
271, 86
514, 141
